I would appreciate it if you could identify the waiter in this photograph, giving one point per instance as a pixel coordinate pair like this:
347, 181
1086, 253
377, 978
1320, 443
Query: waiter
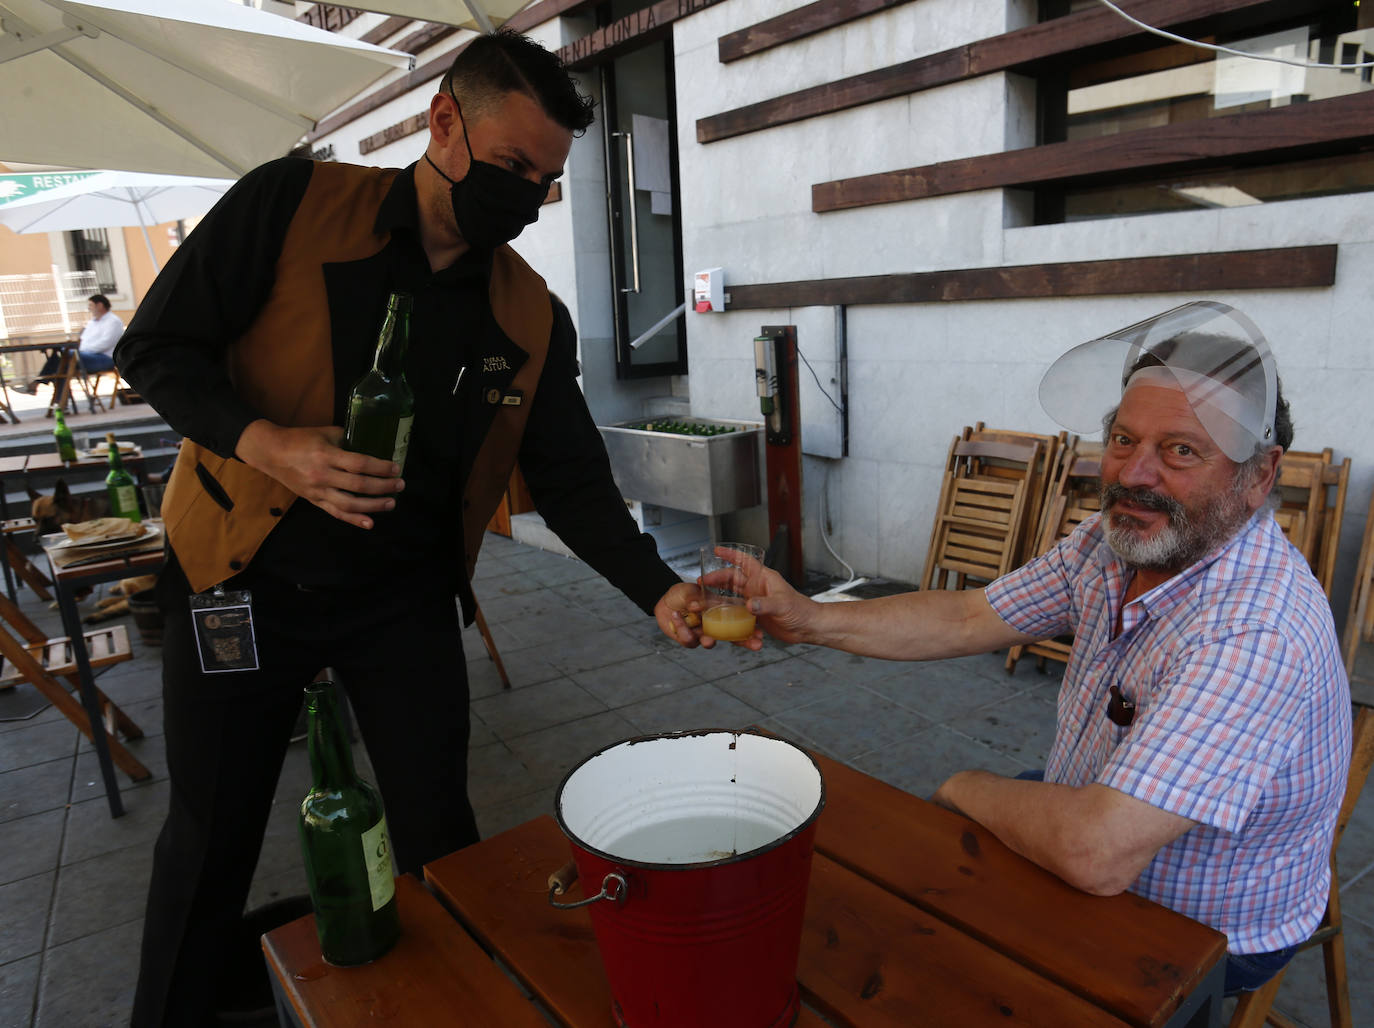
248, 344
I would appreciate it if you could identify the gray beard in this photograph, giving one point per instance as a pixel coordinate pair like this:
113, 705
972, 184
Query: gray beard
1188, 535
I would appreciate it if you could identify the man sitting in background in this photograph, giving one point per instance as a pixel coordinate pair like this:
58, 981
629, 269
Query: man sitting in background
98, 340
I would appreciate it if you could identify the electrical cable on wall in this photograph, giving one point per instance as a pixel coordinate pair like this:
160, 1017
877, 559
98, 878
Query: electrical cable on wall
1230, 50
818, 381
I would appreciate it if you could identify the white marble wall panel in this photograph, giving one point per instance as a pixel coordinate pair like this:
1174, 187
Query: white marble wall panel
942, 232
907, 499
1328, 219
914, 30
758, 175
1352, 341
852, 487
880, 40
780, 249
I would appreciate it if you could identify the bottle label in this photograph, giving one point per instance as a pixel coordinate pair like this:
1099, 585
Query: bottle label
398, 455
377, 860
126, 502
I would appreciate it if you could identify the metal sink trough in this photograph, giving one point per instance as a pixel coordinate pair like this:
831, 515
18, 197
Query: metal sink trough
708, 475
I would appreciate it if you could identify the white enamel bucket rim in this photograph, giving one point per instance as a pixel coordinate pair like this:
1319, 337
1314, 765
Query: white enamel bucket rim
735, 858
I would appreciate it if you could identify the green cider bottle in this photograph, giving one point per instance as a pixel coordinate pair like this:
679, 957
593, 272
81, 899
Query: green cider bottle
66, 445
344, 842
120, 485
381, 406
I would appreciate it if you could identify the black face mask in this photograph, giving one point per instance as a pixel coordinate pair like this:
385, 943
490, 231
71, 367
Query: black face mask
491, 204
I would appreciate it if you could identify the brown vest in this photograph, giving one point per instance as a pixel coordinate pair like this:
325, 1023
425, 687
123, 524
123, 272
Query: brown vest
283, 367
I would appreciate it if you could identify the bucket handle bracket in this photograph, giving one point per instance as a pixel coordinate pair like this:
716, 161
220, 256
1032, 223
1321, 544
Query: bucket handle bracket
613, 888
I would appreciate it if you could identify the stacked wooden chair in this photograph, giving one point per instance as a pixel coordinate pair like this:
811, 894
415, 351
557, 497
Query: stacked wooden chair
1041, 475
1073, 498
1311, 489
1359, 619
983, 512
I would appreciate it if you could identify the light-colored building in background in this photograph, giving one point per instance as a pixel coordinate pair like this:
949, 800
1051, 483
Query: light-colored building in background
920, 369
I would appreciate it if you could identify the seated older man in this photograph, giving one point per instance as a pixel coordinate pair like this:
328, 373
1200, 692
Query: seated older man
1204, 718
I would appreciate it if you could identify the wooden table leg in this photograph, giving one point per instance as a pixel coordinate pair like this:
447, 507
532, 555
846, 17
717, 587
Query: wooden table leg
71, 619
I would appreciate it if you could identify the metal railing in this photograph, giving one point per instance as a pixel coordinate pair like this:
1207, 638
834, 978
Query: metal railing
35, 304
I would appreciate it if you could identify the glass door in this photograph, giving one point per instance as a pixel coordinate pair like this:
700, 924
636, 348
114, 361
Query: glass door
644, 212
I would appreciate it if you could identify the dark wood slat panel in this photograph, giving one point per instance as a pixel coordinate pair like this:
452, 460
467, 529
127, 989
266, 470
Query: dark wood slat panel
424, 38
1279, 133
798, 24
1295, 267
377, 33
330, 17
1020, 50
546, 10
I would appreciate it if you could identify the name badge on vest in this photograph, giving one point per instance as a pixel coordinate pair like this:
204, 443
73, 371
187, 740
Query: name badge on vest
224, 630
506, 397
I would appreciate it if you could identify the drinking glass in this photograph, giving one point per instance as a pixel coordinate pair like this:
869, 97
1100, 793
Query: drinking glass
726, 570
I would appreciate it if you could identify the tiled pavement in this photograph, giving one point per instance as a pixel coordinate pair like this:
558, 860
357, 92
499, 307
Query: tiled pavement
588, 669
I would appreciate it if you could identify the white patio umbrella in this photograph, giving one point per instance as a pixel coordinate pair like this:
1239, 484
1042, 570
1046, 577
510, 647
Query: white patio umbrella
186, 87
107, 199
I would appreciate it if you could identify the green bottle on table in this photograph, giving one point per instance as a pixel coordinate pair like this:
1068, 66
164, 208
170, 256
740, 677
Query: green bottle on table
66, 445
381, 406
120, 485
344, 842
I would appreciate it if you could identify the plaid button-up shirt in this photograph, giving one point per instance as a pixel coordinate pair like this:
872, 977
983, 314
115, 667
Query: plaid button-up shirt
1242, 718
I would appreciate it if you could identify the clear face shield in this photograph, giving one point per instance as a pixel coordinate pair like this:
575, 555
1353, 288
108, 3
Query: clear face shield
1212, 352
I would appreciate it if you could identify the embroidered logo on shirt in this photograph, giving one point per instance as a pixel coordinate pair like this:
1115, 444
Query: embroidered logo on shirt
495, 364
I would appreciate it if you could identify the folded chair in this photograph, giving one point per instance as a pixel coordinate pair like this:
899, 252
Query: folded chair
1312, 490
1255, 1009
1076, 485
491, 646
1041, 475
41, 661
1359, 619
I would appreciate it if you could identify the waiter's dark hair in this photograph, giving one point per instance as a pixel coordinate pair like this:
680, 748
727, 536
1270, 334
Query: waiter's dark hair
504, 62
101, 299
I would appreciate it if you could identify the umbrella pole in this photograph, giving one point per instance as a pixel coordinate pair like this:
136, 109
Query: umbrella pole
149, 244
143, 227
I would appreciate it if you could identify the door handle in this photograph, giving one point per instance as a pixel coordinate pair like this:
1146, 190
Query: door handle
634, 213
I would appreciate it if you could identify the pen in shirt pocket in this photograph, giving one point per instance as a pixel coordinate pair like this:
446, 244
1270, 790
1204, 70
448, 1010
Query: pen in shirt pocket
462, 370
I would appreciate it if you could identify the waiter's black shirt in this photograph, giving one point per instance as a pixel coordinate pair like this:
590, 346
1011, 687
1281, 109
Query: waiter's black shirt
209, 294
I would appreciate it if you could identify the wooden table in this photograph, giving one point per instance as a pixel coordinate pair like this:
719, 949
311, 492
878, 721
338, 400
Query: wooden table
67, 581
68, 367
22, 467
915, 916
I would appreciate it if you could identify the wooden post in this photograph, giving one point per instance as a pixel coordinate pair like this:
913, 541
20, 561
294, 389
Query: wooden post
783, 460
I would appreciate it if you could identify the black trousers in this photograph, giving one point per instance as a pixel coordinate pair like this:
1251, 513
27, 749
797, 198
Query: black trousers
398, 655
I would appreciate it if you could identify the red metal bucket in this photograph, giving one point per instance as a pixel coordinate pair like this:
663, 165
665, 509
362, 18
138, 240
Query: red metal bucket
700, 843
